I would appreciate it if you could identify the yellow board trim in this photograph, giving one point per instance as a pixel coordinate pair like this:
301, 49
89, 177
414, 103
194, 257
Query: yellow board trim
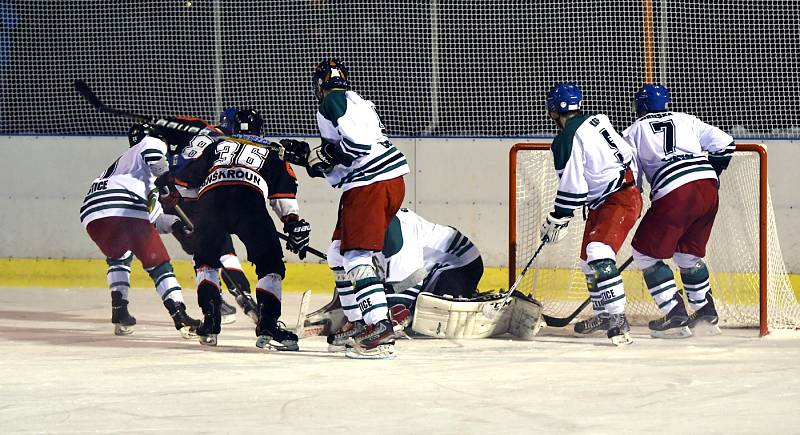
91, 273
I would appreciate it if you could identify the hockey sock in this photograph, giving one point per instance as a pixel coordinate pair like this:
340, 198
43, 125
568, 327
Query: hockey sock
661, 285
594, 295
209, 299
347, 296
609, 293
370, 295
268, 295
166, 284
696, 283
119, 274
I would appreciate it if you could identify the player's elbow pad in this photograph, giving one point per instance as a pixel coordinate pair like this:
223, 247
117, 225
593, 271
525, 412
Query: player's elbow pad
719, 162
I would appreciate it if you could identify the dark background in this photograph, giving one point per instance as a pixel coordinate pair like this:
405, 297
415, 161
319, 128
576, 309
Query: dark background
489, 63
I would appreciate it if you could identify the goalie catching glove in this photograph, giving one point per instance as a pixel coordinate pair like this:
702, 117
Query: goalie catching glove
554, 229
298, 231
317, 161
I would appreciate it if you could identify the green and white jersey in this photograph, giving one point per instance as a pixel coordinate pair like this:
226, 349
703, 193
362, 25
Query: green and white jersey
363, 151
413, 243
125, 188
590, 158
671, 149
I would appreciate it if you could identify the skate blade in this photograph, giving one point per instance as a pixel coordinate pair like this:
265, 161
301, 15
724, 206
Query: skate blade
187, 332
672, 333
208, 340
622, 340
266, 342
122, 329
228, 319
705, 329
336, 349
596, 333
383, 351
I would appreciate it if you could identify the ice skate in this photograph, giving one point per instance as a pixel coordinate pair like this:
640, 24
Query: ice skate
273, 334
211, 326
705, 320
228, 312
401, 318
375, 342
186, 325
120, 317
673, 325
591, 326
338, 341
619, 331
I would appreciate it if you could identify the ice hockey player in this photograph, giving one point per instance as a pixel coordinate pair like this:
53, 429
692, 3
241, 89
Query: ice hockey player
121, 213
357, 157
181, 155
593, 164
434, 264
236, 181
682, 158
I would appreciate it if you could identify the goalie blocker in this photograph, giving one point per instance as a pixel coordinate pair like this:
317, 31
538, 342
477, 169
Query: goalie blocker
447, 317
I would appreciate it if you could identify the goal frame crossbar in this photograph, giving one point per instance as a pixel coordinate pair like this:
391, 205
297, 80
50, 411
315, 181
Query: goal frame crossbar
759, 149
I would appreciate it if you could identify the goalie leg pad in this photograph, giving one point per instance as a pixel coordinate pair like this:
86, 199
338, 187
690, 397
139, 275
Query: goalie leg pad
444, 317
526, 317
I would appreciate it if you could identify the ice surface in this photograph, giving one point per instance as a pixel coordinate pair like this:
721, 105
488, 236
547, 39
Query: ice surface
63, 371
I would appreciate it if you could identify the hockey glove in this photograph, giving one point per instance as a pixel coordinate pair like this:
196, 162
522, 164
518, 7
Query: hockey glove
166, 223
554, 229
321, 160
295, 151
298, 231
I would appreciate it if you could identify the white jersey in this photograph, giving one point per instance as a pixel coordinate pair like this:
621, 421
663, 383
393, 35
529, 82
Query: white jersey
363, 151
671, 149
413, 243
591, 159
125, 188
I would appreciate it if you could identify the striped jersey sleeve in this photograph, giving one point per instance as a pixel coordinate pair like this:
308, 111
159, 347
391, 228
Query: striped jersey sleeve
154, 154
573, 189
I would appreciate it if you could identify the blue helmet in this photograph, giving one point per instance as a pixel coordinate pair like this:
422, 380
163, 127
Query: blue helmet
226, 120
330, 74
564, 97
652, 98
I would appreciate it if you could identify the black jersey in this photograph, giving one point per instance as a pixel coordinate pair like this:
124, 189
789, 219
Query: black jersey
217, 163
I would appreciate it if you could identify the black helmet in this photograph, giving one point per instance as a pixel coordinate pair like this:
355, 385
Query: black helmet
137, 132
330, 74
248, 121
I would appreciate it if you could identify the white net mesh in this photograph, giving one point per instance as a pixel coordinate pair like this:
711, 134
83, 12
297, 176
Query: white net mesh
732, 253
434, 67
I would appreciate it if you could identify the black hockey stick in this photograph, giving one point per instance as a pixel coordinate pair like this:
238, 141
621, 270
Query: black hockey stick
559, 322
86, 92
308, 248
496, 307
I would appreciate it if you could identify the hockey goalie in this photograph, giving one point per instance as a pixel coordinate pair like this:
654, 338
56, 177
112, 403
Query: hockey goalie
431, 273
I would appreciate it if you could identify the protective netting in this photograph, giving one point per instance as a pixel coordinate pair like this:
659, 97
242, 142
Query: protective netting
732, 253
434, 67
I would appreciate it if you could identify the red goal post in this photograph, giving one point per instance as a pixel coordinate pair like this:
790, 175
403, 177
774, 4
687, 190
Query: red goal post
560, 286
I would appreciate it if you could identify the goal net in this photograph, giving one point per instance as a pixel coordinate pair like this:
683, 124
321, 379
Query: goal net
748, 276
433, 67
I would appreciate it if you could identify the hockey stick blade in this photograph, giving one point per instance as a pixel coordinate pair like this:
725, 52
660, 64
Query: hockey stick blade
86, 92
491, 310
305, 302
559, 322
